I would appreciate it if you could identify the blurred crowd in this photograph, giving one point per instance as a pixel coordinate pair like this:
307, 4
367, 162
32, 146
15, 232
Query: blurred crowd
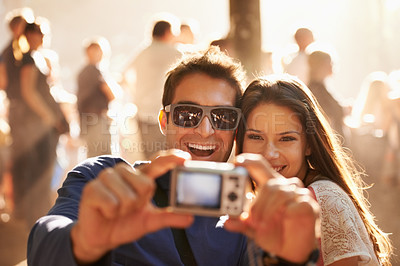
46, 129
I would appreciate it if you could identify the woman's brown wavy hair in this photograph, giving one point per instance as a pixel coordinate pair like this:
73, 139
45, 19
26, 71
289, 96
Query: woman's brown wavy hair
328, 157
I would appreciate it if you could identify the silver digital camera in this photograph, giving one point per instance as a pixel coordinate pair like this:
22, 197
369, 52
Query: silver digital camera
208, 188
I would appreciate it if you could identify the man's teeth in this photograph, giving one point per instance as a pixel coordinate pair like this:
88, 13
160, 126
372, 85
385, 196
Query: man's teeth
277, 169
201, 147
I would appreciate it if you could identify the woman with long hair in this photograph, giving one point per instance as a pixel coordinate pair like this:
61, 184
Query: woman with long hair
284, 123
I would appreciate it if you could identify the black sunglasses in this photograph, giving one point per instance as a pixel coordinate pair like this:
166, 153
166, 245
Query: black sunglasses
191, 115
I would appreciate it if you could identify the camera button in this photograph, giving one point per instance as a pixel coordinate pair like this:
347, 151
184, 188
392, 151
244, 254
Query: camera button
232, 196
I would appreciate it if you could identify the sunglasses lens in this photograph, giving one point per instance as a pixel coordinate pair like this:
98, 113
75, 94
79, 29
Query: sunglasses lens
187, 116
224, 118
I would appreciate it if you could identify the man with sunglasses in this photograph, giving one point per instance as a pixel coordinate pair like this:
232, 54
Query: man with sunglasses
120, 221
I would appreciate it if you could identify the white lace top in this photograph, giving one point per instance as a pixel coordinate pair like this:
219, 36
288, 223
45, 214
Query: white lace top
343, 234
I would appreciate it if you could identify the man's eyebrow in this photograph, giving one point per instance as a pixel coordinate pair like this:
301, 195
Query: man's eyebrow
187, 102
194, 103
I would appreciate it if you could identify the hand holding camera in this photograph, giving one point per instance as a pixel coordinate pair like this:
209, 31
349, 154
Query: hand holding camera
116, 208
283, 218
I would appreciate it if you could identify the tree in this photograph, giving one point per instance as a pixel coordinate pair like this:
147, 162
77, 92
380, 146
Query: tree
245, 33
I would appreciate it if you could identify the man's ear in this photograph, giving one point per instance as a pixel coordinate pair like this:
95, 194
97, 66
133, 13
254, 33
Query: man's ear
162, 121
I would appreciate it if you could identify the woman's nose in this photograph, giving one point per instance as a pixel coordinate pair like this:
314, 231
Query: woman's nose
271, 152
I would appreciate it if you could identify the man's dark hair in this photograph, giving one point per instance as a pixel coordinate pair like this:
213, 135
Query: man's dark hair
213, 63
161, 28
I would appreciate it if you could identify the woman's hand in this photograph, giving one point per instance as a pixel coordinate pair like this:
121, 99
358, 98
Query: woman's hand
284, 218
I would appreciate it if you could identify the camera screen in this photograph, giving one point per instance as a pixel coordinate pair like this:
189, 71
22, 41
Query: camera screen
199, 189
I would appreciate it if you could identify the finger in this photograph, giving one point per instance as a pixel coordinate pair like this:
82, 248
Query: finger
165, 161
305, 212
290, 181
238, 225
266, 203
164, 217
272, 197
308, 205
97, 196
126, 196
265, 217
142, 185
259, 169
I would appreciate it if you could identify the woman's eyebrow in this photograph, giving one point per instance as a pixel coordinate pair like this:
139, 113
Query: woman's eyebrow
289, 132
280, 133
254, 130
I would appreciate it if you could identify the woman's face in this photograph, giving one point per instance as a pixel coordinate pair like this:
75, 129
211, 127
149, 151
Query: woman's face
276, 133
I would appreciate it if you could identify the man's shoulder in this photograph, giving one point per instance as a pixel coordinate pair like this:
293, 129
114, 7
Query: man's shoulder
92, 166
105, 160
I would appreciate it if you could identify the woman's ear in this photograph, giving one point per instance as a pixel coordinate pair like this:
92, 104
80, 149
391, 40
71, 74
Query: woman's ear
162, 121
308, 150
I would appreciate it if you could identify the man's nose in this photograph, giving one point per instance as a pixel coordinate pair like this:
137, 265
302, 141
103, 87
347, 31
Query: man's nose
205, 128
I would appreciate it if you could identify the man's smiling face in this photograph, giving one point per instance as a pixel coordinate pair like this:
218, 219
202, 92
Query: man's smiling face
202, 142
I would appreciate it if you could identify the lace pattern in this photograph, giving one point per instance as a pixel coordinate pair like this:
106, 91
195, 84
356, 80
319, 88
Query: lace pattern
343, 233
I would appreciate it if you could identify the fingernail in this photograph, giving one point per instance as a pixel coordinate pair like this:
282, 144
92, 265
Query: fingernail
240, 159
183, 154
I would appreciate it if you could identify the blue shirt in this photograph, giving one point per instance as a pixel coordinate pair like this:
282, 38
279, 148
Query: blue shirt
49, 241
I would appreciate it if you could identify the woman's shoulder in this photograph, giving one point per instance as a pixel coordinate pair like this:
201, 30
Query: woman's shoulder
330, 195
324, 184
343, 233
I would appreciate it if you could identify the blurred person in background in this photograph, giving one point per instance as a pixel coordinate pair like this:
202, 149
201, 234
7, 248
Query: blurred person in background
371, 107
186, 35
297, 63
320, 69
391, 173
36, 126
186, 41
370, 123
12, 54
93, 97
10, 66
148, 70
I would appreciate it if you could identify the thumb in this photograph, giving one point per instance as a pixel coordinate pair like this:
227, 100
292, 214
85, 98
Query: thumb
163, 217
239, 225
259, 168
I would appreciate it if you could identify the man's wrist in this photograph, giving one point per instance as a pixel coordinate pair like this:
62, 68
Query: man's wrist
83, 255
271, 260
